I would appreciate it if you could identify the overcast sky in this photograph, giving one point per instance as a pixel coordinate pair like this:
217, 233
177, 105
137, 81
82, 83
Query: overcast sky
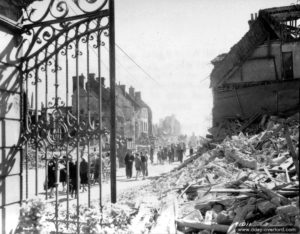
174, 41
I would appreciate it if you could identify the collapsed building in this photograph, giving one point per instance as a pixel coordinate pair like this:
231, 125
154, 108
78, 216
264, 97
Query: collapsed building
259, 75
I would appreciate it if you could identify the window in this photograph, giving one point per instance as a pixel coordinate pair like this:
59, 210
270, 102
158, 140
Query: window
287, 61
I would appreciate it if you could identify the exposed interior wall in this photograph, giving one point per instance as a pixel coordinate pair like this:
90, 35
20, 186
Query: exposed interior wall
10, 154
265, 63
245, 102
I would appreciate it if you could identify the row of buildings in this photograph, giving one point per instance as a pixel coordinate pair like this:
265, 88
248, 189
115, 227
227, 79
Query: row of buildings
43, 31
133, 115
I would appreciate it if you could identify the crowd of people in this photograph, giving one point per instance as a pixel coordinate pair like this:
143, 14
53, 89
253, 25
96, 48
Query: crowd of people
141, 164
57, 167
57, 173
171, 153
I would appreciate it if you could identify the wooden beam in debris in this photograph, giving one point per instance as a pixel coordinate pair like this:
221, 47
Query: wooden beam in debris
268, 136
291, 148
202, 226
190, 159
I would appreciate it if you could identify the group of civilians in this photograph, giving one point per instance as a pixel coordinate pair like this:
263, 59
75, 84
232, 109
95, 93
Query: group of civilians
60, 164
171, 153
141, 164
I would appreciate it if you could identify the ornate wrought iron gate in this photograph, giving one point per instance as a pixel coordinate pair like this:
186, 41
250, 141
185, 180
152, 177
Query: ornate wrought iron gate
63, 126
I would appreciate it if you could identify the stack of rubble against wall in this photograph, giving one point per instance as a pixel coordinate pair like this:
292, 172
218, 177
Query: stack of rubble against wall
252, 179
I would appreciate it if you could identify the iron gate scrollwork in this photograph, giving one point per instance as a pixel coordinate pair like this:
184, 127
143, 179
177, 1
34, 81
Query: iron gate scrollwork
63, 39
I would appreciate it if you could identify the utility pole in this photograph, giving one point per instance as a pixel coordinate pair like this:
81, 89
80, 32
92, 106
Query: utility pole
112, 74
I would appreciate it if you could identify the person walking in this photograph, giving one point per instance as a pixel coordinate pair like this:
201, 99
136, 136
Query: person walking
165, 154
73, 177
137, 162
170, 155
180, 153
127, 164
146, 158
159, 156
97, 169
151, 154
83, 174
131, 160
63, 172
51, 183
191, 151
143, 164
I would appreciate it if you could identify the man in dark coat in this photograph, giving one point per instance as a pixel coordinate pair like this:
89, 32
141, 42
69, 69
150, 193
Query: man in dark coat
180, 153
127, 165
144, 164
131, 160
84, 177
51, 183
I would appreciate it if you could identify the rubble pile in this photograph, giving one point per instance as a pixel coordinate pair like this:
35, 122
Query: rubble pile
230, 127
250, 180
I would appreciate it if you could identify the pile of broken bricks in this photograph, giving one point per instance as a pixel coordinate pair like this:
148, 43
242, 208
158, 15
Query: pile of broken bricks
245, 180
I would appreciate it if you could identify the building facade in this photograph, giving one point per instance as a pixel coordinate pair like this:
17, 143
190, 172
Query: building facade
134, 116
259, 75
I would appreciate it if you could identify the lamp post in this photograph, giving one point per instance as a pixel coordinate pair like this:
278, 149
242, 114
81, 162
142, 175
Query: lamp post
112, 73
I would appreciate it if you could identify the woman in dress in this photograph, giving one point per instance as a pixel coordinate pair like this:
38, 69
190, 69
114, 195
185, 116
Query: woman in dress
51, 177
84, 180
63, 173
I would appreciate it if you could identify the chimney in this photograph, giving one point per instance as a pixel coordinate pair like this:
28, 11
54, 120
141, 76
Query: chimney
91, 81
250, 22
123, 88
81, 82
92, 76
131, 91
102, 81
138, 96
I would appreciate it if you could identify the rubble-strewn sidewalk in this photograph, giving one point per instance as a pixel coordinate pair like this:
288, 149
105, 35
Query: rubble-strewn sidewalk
250, 180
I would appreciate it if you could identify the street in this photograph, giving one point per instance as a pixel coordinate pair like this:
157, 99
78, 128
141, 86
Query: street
123, 183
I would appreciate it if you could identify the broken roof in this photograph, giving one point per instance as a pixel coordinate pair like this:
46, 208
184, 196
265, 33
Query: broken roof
269, 23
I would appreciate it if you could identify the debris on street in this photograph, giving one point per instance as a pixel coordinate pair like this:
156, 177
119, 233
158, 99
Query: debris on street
250, 179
